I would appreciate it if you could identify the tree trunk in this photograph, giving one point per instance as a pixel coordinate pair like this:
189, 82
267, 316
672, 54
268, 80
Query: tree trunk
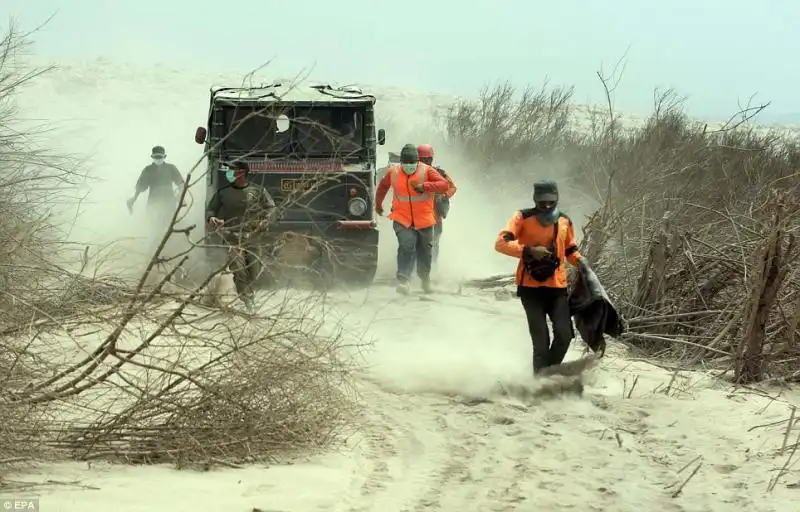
769, 271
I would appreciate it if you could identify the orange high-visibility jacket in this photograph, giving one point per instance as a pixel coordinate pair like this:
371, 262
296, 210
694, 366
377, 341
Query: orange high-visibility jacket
524, 229
409, 207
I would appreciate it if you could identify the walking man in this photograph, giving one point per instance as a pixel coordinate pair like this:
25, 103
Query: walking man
158, 178
542, 239
241, 209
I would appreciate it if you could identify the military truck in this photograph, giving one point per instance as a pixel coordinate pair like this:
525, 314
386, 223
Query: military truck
313, 147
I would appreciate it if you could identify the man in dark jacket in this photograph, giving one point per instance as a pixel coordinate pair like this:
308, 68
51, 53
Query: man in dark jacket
240, 210
542, 240
158, 178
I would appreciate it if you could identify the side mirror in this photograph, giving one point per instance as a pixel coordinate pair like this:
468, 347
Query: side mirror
381, 137
200, 135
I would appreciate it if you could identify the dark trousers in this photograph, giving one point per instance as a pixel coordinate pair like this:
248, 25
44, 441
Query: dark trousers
414, 248
540, 303
244, 264
437, 234
244, 267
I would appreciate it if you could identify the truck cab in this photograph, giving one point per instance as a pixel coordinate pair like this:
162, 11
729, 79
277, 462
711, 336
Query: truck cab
313, 147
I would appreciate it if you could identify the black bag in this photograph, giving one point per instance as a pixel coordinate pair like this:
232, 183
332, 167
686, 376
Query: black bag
442, 205
441, 202
543, 269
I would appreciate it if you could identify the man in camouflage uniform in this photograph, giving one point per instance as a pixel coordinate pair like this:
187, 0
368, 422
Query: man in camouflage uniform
241, 210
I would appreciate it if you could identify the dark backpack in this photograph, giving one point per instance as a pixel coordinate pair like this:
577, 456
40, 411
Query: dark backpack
442, 205
441, 202
543, 269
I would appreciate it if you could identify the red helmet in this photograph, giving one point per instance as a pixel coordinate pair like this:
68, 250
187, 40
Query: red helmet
425, 151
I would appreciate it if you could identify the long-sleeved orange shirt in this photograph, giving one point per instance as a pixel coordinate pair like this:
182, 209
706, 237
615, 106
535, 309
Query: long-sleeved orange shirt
524, 229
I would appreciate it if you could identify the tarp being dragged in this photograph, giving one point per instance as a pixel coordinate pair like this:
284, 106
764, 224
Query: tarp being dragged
593, 312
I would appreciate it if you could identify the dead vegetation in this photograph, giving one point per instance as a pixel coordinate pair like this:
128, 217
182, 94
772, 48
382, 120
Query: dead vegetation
190, 386
98, 367
693, 232
31, 181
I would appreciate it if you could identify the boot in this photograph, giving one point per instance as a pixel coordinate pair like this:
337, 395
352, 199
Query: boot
426, 285
403, 287
540, 363
249, 304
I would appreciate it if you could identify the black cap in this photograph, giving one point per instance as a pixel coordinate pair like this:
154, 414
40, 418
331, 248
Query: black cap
545, 191
158, 151
239, 166
409, 154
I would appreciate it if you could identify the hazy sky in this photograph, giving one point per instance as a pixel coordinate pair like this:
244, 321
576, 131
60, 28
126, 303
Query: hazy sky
717, 52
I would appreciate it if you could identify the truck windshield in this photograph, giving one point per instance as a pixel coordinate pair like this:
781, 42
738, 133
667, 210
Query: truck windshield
295, 132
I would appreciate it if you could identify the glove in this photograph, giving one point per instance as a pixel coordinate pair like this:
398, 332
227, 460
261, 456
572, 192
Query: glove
419, 188
535, 252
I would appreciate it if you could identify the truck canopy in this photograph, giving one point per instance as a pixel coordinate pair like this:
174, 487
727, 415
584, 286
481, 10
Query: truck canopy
294, 121
292, 94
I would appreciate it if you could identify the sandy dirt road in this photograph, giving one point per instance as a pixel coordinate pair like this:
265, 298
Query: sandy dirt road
421, 445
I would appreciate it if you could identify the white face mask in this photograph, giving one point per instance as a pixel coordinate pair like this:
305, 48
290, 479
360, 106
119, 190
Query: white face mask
409, 169
158, 161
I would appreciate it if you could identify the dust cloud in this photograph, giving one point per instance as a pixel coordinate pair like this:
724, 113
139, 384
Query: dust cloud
110, 115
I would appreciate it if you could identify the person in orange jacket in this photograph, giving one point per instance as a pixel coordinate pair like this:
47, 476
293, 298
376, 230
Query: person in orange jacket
543, 239
441, 201
413, 185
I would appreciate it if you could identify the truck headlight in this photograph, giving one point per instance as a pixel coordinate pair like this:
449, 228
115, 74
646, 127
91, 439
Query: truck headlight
357, 207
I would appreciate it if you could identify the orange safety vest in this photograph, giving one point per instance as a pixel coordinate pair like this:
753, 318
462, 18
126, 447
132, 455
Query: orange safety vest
409, 207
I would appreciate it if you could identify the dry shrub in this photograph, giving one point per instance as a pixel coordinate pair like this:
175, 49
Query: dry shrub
19, 422
33, 182
502, 133
693, 236
215, 388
